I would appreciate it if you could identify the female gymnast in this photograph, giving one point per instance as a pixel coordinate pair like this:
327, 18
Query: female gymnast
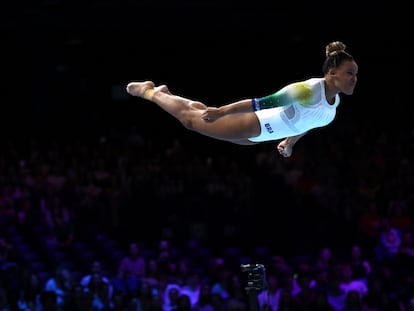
285, 115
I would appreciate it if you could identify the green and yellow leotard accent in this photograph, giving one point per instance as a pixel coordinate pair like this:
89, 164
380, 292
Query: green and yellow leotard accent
297, 92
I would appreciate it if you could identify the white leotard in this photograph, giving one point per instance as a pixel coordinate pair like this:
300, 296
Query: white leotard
303, 106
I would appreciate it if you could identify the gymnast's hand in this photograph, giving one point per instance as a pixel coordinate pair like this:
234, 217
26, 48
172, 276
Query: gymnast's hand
285, 148
211, 114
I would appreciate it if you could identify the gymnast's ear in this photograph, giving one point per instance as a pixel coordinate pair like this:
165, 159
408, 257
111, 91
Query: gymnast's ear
332, 71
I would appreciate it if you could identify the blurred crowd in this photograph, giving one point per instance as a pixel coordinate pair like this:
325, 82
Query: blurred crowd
122, 221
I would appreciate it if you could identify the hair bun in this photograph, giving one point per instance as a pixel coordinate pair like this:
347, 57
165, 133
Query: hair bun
334, 48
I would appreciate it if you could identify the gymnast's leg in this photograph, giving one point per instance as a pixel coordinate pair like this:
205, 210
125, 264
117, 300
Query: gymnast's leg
234, 127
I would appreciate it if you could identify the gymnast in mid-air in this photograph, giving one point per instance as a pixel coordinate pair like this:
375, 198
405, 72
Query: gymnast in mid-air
284, 116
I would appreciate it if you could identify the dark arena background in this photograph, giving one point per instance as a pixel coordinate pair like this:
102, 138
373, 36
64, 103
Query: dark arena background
86, 170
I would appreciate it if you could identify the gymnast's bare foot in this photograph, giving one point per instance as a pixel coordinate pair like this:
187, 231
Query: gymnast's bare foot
139, 88
163, 89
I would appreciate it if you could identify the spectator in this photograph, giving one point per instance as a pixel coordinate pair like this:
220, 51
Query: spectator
361, 265
96, 269
335, 293
171, 294
184, 303
349, 282
61, 283
205, 300
192, 287
31, 293
388, 243
100, 291
132, 268
271, 294
324, 260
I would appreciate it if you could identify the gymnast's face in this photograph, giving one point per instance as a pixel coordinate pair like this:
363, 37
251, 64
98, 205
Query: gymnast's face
345, 77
